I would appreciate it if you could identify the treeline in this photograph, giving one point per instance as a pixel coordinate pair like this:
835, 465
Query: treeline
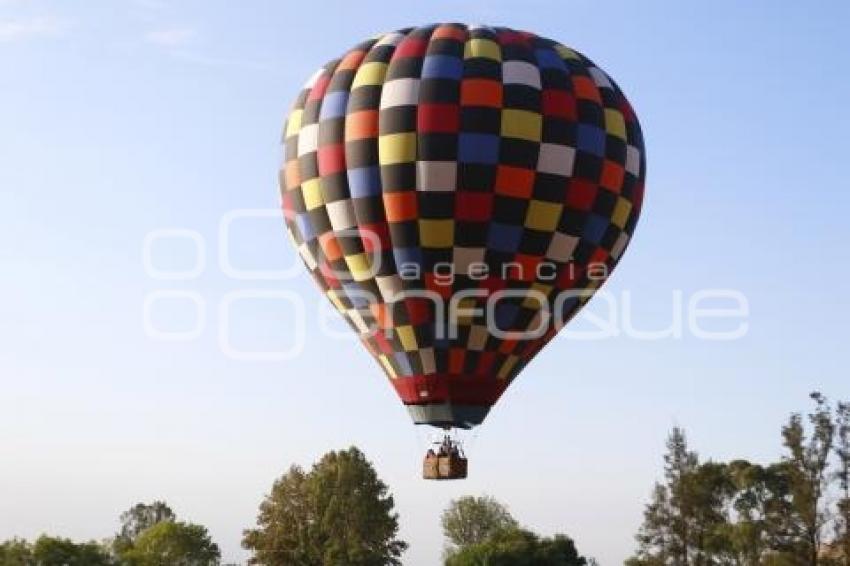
793, 512
340, 512
150, 535
337, 513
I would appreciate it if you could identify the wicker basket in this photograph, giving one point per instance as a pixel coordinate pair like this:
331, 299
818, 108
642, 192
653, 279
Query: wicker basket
444, 468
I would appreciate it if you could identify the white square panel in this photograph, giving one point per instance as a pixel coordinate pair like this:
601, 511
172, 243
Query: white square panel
462, 258
561, 247
520, 72
341, 214
400, 92
600, 78
308, 139
436, 175
633, 160
556, 159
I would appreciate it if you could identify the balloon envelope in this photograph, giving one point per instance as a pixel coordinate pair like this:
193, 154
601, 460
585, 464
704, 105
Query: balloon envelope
458, 193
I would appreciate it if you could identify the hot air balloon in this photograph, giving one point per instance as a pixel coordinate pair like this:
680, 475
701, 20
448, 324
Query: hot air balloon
458, 193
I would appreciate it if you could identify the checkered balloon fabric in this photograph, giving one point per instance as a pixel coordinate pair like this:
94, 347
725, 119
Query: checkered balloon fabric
458, 193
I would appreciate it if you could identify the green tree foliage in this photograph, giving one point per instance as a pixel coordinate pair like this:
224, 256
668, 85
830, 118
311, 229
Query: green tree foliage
338, 513
807, 462
137, 519
471, 520
15, 552
740, 513
684, 520
150, 535
842, 451
517, 547
172, 543
481, 531
52, 551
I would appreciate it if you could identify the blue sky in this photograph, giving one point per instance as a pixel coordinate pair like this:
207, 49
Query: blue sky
124, 117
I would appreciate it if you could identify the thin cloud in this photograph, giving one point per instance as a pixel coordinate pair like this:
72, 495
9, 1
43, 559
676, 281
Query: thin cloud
171, 37
26, 29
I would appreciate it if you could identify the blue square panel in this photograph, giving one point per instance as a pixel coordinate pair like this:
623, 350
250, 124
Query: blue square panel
442, 67
364, 181
591, 139
333, 105
504, 238
594, 228
549, 59
478, 148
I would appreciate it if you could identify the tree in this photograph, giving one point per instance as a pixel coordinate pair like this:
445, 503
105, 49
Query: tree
53, 551
16, 552
338, 513
518, 547
172, 543
472, 520
744, 514
807, 462
673, 526
142, 516
652, 538
761, 504
842, 450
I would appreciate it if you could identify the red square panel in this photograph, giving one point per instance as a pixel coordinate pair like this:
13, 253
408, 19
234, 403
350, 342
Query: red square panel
637, 197
492, 284
331, 159
418, 310
411, 47
456, 359
433, 118
585, 88
383, 344
376, 237
449, 32
514, 181
612, 176
485, 363
318, 90
330, 246
473, 206
432, 283
581, 194
559, 103
527, 267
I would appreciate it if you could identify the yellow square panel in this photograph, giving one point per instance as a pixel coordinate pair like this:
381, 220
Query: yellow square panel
614, 123
293, 124
522, 124
388, 367
464, 307
436, 233
592, 286
360, 267
397, 148
370, 74
506, 368
532, 302
407, 338
334, 298
482, 48
566, 53
621, 213
312, 192
543, 216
